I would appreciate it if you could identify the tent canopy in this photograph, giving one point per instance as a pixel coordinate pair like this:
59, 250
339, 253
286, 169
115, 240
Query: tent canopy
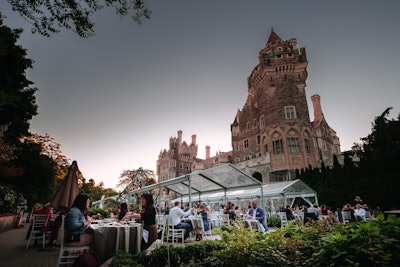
282, 192
223, 178
226, 182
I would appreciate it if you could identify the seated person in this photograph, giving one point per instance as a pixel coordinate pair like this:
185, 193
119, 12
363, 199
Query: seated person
204, 211
124, 210
76, 222
174, 218
359, 213
229, 208
257, 213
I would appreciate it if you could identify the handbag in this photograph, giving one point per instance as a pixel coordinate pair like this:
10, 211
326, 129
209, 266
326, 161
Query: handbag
69, 238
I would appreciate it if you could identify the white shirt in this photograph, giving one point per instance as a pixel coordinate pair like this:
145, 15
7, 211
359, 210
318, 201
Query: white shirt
175, 215
360, 212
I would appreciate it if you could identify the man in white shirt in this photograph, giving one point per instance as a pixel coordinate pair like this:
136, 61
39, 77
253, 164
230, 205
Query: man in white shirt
359, 213
174, 218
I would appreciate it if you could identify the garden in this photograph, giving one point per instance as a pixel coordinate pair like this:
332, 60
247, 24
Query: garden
369, 243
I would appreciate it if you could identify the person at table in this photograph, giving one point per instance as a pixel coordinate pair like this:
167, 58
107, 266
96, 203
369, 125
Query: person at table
257, 213
229, 209
174, 218
123, 210
76, 222
204, 212
359, 213
148, 217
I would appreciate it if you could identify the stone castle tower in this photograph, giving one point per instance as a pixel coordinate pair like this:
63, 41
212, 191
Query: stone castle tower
272, 135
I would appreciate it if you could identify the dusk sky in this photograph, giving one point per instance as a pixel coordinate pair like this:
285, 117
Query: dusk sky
112, 101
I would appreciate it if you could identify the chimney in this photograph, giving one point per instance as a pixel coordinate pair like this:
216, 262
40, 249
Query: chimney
193, 139
179, 136
318, 115
207, 152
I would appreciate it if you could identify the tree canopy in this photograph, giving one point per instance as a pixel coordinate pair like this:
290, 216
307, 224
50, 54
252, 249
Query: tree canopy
48, 17
17, 93
373, 177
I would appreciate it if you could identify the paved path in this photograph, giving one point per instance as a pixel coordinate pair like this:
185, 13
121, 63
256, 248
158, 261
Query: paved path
14, 254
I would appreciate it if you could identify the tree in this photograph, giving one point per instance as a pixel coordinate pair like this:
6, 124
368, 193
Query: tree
52, 149
17, 95
7, 154
134, 179
48, 17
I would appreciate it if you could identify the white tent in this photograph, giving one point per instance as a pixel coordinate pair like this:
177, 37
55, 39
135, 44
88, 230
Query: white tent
274, 195
227, 182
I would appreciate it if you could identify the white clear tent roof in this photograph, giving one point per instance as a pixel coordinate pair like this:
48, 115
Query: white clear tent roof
288, 191
226, 182
221, 178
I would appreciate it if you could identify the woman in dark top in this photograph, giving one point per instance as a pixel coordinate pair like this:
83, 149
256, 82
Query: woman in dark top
124, 210
148, 217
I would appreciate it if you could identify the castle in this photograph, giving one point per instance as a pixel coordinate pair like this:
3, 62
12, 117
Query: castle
272, 134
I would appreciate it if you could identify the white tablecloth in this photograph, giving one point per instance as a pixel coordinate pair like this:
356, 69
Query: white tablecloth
110, 238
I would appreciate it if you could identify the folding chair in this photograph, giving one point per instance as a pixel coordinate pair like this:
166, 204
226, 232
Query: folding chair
284, 220
38, 223
68, 255
346, 216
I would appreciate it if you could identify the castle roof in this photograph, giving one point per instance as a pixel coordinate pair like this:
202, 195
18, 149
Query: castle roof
273, 37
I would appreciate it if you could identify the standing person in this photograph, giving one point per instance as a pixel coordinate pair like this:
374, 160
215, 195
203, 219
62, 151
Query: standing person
257, 213
357, 200
174, 218
148, 216
76, 222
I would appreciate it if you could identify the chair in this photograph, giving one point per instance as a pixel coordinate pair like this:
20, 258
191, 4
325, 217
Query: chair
224, 220
175, 234
68, 255
346, 216
367, 215
215, 220
337, 219
284, 220
160, 232
36, 231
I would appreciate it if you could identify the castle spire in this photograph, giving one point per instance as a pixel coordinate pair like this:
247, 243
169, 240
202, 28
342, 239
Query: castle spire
273, 37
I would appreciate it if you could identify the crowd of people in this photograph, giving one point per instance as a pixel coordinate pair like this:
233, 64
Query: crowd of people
77, 219
359, 211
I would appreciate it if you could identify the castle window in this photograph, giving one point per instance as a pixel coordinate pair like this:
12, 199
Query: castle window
293, 145
266, 148
254, 123
235, 146
237, 160
247, 158
290, 112
277, 146
248, 125
246, 143
258, 139
307, 145
290, 55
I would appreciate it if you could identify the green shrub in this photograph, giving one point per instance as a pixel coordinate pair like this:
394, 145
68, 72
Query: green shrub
274, 221
370, 243
11, 202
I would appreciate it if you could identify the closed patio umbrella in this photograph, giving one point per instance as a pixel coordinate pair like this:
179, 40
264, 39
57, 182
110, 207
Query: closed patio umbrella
68, 190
